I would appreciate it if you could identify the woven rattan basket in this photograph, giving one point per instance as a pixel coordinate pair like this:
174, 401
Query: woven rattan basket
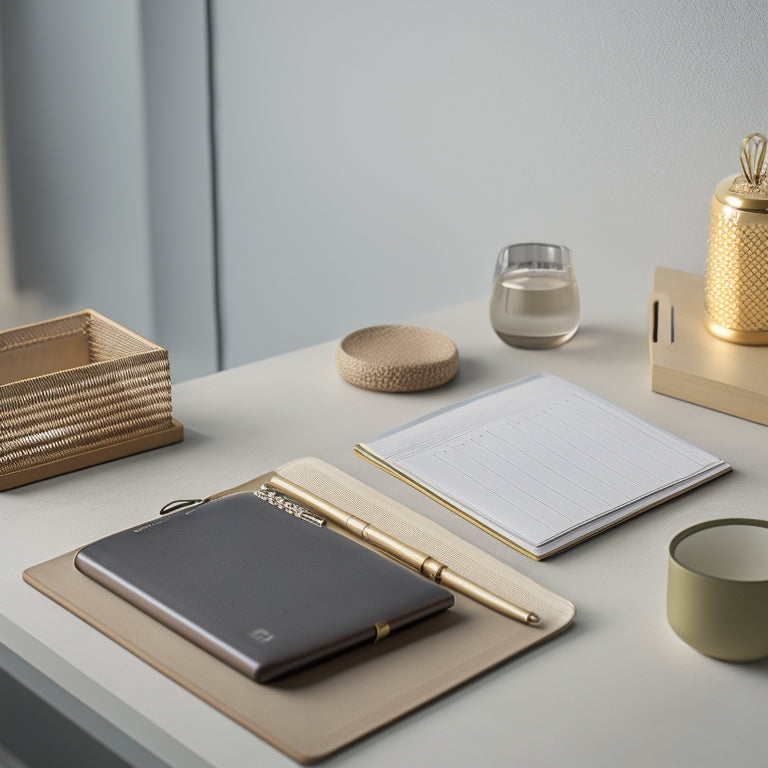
76, 391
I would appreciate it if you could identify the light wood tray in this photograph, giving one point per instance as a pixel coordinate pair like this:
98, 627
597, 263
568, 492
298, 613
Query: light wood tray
689, 363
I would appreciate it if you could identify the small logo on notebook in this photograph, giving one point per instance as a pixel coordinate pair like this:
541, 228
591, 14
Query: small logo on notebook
261, 635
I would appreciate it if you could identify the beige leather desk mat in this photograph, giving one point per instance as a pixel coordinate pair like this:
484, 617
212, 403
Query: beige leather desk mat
314, 713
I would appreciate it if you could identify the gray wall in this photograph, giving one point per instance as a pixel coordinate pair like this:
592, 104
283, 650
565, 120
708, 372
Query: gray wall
72, 72
106, 112
374, 157
6, 263
180, 191
371, 158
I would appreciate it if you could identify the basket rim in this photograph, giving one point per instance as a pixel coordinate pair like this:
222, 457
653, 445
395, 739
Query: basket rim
83, 313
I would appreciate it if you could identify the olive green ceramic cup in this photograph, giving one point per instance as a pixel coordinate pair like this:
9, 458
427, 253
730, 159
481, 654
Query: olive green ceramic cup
717, 588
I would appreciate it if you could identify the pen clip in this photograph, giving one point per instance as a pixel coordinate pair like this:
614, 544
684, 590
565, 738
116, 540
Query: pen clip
289, 505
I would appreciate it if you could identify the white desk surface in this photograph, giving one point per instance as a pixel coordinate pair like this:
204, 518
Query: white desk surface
618, 688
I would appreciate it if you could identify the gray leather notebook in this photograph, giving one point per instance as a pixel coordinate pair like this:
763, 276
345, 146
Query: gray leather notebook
264, 591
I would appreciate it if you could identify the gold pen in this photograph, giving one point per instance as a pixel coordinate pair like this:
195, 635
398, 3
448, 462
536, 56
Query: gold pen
403, 553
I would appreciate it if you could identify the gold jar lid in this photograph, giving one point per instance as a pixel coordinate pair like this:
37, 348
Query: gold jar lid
726, 194
748, 191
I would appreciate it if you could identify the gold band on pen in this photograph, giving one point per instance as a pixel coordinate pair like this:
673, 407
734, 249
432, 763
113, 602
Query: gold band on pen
402, 552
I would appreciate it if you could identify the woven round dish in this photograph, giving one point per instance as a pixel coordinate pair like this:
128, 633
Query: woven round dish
396, 358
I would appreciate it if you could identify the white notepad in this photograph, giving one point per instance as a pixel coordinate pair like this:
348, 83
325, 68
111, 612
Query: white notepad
542, 463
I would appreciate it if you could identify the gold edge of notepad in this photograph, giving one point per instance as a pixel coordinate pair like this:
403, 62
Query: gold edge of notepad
365, 453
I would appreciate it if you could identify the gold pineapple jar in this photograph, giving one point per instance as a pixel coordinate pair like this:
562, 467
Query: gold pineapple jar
736, 275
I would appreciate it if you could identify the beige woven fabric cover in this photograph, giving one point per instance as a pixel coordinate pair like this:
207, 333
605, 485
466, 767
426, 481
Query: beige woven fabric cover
396, 358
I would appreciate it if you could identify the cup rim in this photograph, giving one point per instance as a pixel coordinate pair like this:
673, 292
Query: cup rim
538, 245
721, 521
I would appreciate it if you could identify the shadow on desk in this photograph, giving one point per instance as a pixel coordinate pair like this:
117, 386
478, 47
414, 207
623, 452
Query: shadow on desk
747, 667
600, 343
590, 337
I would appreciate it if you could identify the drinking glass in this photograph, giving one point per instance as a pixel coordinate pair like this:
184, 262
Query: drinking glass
535, 298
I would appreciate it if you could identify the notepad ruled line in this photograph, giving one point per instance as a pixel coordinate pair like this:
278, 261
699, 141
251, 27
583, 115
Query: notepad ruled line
637, 443
533, 477
510, 477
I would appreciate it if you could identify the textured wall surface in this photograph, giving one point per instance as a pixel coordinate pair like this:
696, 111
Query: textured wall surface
374, 158
76, 161
6, 263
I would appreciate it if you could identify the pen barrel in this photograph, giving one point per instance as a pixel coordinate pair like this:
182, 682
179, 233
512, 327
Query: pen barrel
401, 551
407, 555
433, 569
466, 587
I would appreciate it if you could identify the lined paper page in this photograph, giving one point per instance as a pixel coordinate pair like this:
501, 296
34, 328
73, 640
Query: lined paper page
541, 457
